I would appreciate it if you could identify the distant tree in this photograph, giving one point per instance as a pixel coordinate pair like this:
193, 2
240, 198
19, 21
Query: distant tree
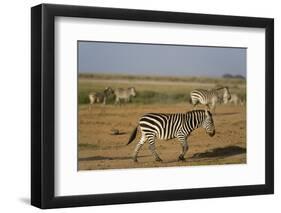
240, 76
227, 75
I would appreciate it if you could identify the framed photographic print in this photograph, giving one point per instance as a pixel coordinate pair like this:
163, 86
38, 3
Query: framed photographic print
139, 106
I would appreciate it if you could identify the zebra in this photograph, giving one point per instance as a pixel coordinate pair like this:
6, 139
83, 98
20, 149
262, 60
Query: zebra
236, 100
210, 97
124, 93
98, 97
169, 126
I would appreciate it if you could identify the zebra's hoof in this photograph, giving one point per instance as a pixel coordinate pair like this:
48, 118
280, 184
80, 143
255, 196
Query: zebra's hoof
135, 160
181, 158
158, 159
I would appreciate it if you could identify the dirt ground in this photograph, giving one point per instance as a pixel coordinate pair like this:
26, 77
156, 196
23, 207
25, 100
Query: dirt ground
99, 148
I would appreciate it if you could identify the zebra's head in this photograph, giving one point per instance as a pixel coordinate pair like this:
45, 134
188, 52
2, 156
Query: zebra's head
133, 91
208, 124
108, 91
226, 95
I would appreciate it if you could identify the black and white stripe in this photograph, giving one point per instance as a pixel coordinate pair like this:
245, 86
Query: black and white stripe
169, 126
210, 97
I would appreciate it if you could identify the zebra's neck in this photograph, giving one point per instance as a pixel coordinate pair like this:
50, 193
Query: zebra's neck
194, 119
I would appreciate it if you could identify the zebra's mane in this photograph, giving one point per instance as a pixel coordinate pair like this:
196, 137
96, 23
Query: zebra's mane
196, 110
220, 88
199, 111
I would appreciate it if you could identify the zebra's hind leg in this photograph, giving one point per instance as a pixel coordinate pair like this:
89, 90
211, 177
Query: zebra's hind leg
152, 148
184, 145
138, 147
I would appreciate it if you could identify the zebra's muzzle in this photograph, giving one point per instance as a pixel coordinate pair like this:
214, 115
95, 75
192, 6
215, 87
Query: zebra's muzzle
212, 133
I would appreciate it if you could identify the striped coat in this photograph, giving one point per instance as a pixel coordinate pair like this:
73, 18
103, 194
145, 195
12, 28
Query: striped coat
169, 126
210, 98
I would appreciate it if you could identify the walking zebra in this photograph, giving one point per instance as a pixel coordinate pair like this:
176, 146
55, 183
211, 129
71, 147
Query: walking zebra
122, 93
210, 97
169, 126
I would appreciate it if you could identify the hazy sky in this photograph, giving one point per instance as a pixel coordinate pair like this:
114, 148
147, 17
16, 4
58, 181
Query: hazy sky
169, 60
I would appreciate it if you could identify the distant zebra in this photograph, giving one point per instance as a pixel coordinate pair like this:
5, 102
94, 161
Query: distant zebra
210, 97
236, 100
169, 126
100, 97
124, 93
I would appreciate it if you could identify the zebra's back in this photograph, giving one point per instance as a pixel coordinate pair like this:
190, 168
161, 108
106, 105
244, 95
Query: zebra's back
124, 92
121, 92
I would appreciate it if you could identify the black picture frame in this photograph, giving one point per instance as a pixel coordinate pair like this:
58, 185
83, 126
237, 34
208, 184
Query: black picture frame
43, 110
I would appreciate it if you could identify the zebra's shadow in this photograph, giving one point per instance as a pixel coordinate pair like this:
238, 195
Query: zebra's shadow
94, 158
221, 152
225, 113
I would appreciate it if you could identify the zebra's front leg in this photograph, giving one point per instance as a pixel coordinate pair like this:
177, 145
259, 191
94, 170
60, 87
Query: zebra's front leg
117, 101
183, 141
152, 148
138, 147
213, 108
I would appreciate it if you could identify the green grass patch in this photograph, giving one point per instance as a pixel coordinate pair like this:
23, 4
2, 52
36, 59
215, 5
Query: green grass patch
144, 97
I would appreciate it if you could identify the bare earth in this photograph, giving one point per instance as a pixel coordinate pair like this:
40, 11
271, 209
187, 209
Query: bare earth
98, 148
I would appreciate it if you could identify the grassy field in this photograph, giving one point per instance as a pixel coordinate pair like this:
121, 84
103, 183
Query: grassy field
155, 89
98, 148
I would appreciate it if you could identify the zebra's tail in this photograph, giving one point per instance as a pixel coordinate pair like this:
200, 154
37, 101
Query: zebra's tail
133, 135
